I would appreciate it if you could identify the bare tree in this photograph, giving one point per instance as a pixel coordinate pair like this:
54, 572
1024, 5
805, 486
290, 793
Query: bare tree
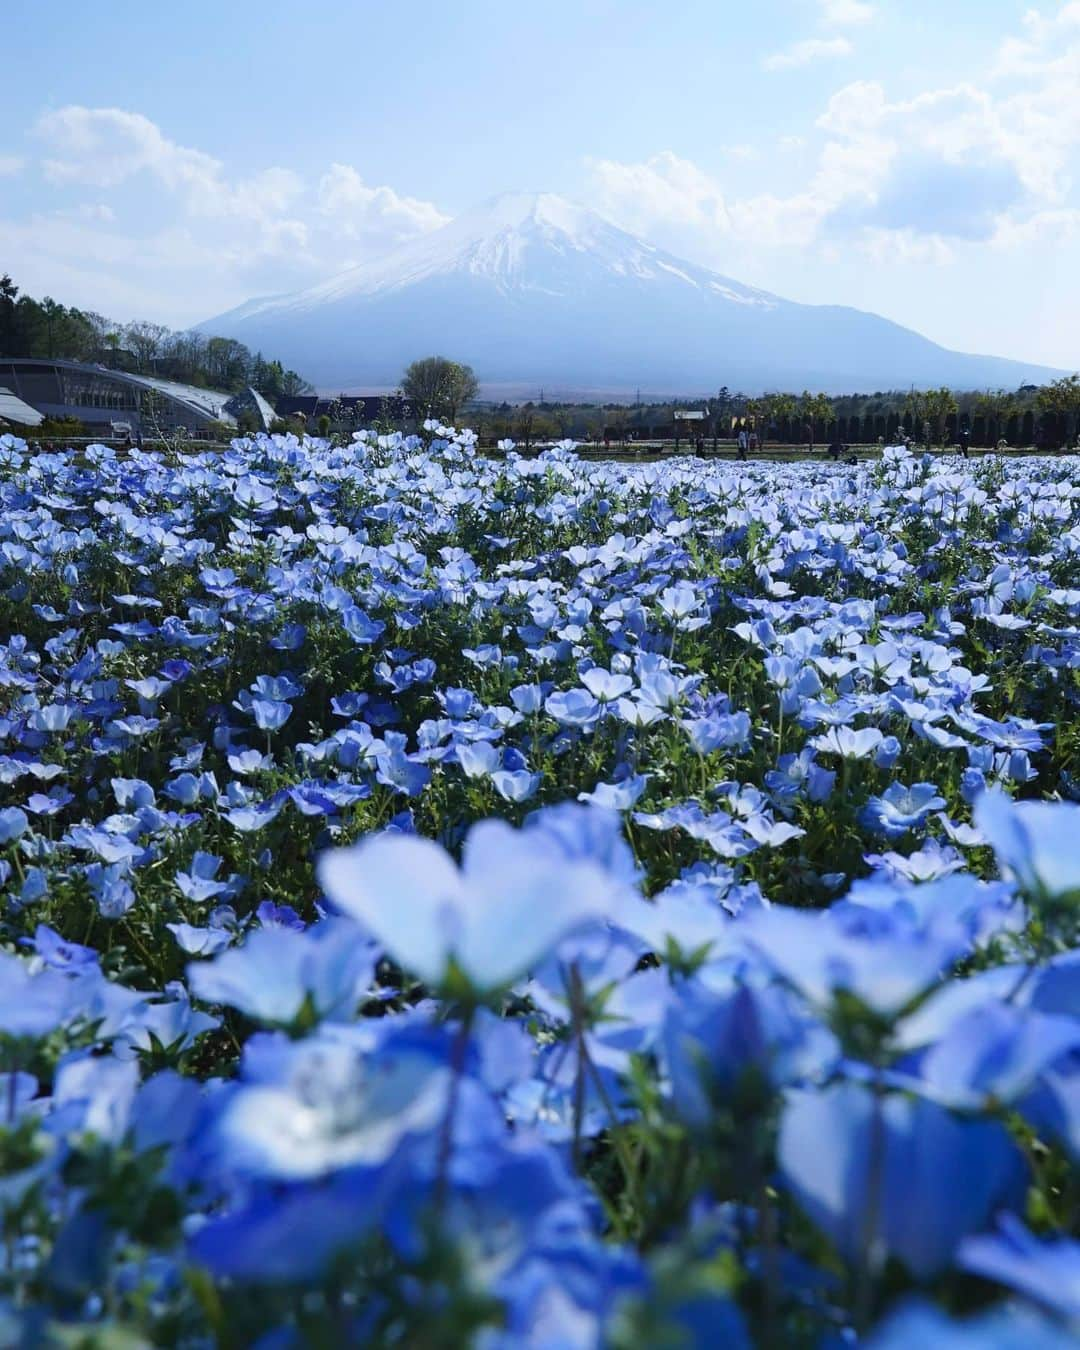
439, 387
145, 341
525, 424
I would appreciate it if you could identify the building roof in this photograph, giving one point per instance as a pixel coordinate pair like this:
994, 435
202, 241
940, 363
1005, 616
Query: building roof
13, 409
208, 403
266, 411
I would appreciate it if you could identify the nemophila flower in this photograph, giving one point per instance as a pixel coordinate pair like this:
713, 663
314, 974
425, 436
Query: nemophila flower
279, 916
276, 688
620, 796
52, 718
484, 925
185, 789
993, 1055
589, 834
528, 699
13, 823
165, 1022
200, 883
929, 863
741, 1044
760, 633
573, 707
972, 785
277, 975
150, 690
894, 1175
799, 773
887, 753
660, 687
35, 886
289, 1236
1047, 1273
919, 1322
516, 785
191, 758
1038, 843
397, 769
49, 804
33, 1003
458, 703
270, 716
847, 742
487, 655
637, 713
201, 941
110, 887
93, 1095
251, 819
724, 731
305, 1109
361, 627
606, 686
57, 954
478, 759
900, 808
1015, 734
886, 965
246, 762
680, 605
771, 833
133, 728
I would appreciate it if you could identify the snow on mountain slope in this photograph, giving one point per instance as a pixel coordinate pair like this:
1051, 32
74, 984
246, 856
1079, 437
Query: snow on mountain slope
520, 241
531, 287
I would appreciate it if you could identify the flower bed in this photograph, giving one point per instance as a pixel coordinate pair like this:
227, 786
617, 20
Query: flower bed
452, 901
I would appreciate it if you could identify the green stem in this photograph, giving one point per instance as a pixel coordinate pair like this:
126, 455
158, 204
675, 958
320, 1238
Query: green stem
458, 1051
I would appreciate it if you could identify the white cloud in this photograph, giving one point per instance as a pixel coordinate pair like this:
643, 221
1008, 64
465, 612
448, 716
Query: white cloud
105, 147
918, 178
667, 193
205, 237
359, 211
662, 190
806, 52
95, 211
102, 147
1058, 226
885, 247
845, 13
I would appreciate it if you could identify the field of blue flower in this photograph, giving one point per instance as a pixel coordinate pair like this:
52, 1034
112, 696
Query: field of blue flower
454, 901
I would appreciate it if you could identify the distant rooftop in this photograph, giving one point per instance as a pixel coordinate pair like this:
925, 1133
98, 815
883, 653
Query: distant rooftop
203, 404
13, 409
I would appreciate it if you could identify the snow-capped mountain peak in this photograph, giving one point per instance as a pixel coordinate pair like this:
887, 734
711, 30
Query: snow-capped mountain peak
517, 242
530, 288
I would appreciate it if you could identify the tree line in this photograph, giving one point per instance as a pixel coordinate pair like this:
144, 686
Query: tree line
49, 330
927, 415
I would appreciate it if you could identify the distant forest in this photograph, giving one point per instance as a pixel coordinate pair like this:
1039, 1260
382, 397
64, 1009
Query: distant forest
45, 328
1032, 414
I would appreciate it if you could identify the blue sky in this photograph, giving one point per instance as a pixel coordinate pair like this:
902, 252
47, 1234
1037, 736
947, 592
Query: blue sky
915, 158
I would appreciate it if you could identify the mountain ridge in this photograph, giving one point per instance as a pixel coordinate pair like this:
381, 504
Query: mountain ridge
531, 289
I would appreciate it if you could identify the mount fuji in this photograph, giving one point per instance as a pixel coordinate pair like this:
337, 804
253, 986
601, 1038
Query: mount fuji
531, 289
